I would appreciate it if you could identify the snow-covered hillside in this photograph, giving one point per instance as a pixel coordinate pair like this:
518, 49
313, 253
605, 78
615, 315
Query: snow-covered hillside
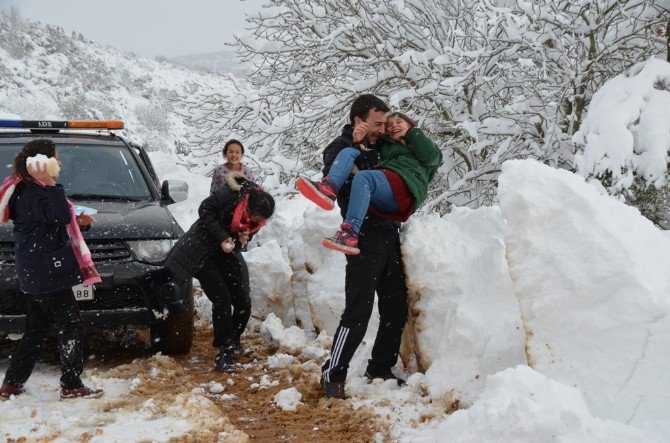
46, 73
221, 62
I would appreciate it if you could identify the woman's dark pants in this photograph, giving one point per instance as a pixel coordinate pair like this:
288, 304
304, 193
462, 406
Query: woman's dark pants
225, 280
60, 311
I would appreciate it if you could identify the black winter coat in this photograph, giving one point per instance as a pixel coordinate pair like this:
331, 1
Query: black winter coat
45, 260
367, 160
205, 236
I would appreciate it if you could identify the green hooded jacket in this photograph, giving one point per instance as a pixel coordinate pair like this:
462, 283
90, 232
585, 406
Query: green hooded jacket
416, 162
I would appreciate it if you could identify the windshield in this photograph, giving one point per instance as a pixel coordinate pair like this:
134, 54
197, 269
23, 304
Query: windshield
92, 171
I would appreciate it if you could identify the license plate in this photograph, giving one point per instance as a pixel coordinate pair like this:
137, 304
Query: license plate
82, 292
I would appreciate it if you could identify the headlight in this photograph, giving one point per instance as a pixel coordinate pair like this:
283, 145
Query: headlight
151, 251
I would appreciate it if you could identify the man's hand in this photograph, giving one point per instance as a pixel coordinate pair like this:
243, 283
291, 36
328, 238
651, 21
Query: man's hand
39, 173
243, 237
84, 219
360, 131
354, 170
228, 245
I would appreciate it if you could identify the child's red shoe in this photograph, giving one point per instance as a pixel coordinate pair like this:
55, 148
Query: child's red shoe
345, 240
323, 192
7, 391
82, 392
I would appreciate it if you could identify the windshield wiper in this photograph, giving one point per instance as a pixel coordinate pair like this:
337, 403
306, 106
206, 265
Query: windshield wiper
107, 197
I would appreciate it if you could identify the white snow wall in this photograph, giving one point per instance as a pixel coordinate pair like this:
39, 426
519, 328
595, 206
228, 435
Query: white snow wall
560, 277
592, 278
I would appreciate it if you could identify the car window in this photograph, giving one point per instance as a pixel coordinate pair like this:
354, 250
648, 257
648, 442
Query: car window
93, 170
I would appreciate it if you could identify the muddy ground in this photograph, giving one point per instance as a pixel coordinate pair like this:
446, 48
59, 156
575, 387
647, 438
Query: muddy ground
247, 406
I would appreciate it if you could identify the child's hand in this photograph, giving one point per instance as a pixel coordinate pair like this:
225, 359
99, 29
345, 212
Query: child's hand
228, 245
84, 219
243, 237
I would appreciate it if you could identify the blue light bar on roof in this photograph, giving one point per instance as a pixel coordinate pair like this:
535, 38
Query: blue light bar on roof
10, 123
50, 124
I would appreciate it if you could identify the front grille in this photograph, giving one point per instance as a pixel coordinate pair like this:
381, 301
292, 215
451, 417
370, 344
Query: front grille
102, 251
119, 297
6, 252
108, 250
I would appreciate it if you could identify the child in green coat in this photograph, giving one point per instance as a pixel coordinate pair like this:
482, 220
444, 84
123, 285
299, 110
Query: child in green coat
409, 161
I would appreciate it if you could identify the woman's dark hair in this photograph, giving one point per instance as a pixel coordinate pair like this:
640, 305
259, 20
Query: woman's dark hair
232, 141
261, 204
400, 115
42, 146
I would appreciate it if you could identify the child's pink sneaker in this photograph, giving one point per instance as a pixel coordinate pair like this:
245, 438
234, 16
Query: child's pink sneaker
344, 241
323, 192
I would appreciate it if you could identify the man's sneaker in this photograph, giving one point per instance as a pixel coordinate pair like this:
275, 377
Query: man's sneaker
388, 376
333, 389
82, 392
344, 241
7, 391
323, 192
224, 361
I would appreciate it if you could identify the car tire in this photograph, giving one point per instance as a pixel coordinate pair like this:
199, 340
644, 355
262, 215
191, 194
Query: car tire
174, 334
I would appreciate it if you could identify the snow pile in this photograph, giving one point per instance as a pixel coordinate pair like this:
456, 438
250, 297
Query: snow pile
592, 279
270, 281
291, 339
288, 399
627, 131
298, 226
521, 405
465, 321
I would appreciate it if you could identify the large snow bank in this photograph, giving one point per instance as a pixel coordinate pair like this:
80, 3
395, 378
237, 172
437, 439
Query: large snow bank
466, 322
521, 405
627, 130
317, 280
592, 279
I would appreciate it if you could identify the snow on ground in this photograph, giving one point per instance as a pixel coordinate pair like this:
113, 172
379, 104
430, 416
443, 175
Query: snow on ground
118, 416
522, 405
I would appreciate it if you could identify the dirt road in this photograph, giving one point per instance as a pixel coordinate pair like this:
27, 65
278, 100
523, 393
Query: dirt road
231, 407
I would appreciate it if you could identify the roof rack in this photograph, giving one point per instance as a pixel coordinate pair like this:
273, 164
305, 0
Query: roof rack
71, 124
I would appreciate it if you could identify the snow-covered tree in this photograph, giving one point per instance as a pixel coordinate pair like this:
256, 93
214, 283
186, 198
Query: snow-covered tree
489, 80
625, 139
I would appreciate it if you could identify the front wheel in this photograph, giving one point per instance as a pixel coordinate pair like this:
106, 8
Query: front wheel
174, 334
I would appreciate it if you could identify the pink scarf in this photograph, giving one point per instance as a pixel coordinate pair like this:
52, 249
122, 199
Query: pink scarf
79, 246
241, 220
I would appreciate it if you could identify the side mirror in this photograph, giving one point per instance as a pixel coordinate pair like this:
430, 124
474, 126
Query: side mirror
174, 191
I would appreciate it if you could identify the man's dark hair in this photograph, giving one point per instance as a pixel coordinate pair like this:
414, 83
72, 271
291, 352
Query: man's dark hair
363, 104
261, 204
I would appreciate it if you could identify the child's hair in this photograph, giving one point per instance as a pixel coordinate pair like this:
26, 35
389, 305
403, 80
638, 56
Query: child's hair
408, 120
42, 146
232, 141
261, 204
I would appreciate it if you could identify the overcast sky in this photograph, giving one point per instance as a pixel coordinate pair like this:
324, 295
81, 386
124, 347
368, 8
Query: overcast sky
148, 27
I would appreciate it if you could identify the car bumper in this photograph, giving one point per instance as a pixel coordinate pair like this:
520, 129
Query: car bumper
128, 295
